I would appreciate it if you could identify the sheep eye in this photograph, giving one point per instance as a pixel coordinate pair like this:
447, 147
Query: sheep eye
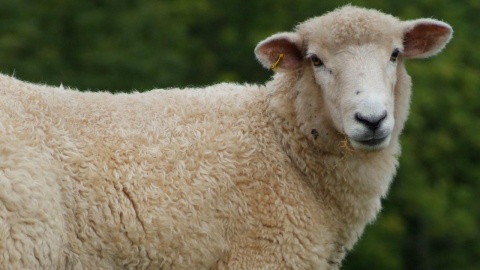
316, 61
394, 55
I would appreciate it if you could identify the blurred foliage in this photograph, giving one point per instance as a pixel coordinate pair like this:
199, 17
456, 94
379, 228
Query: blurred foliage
431, 219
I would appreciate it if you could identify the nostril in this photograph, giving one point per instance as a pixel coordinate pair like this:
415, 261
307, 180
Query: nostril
371, 121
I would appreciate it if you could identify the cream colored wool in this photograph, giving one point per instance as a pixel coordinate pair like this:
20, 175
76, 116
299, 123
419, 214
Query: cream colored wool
228, 176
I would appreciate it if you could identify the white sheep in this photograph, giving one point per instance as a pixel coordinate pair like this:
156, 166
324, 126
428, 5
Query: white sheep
281, 176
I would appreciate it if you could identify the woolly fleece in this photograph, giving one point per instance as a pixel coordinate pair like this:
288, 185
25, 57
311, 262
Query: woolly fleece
214, 178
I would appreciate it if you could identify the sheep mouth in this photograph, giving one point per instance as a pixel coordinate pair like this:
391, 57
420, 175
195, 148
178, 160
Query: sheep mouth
373, 141
372, 144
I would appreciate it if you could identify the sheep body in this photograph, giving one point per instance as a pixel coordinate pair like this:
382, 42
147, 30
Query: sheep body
220, 177
129, 181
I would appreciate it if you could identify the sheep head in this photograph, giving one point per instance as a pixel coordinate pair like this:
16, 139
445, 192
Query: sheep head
352, 77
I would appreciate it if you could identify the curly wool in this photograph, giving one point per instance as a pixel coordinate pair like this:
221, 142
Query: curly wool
108, 181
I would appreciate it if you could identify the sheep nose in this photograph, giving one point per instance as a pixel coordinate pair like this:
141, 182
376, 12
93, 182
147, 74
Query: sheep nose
371, 121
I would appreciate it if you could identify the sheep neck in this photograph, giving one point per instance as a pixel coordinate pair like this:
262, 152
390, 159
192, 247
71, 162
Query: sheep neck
338, 175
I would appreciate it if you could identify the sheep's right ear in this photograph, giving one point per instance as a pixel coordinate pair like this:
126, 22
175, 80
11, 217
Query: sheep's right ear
282, 51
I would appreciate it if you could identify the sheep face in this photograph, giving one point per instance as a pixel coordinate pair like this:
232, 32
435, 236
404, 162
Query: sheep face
357, 83
350, 61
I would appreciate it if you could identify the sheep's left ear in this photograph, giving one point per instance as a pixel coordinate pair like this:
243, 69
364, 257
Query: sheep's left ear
425, 37
282, 51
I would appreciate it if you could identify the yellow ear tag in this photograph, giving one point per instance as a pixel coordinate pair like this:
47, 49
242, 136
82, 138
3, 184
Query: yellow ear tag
279, 59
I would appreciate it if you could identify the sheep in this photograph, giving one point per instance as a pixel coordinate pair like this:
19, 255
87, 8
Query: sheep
284, 175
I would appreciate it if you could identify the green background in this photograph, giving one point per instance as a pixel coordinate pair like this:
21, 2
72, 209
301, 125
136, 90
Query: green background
431, 218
